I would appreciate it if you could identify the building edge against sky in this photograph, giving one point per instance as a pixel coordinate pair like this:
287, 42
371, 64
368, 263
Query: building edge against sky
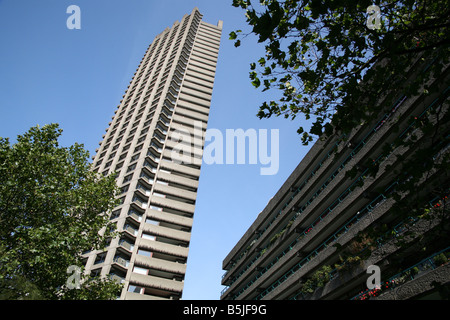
315, 238
168, 97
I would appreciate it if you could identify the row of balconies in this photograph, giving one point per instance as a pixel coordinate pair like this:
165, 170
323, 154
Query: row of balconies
305, 249
377, 128
348, 156
171, 192
363, 137
208, 38
193, 111
173, 91
292, 259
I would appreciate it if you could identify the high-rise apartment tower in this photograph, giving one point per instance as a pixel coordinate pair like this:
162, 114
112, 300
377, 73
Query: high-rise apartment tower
166, 105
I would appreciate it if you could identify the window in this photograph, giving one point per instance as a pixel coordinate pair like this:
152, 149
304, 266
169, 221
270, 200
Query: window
124, 189
131, 168
145, 253
115, 214
129, 139
140, 270
153, 222
136, 215
138, 148
126, 147
100, 258
148, 237
135, 289
119, 165
135, 157
141, 139
146, 176
122, 156
96, 272
128, 178
159, 195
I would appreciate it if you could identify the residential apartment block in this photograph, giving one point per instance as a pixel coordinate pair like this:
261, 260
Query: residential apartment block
324, 230
168, 97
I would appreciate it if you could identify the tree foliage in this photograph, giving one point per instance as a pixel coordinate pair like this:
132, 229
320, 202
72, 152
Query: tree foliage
330, 66
52, 207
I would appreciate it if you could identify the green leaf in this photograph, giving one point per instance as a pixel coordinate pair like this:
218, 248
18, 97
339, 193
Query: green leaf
58, 216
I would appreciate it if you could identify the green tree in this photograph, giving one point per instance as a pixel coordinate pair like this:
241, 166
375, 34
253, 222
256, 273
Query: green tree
52, 209
330, 66
327, 63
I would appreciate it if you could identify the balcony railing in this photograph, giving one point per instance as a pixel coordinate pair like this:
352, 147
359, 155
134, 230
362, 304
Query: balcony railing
130, 229
135, 215
427, 264
126, 245
344, 194
117, 278
123, 262
380, 241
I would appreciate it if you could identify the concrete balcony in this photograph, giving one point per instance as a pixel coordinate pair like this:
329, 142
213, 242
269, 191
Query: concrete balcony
158, 264
187, 96
156, 282
188, 121
138, 296
160, 188
205, 48
165, 248
197, 94
121, 261
182, 169
192, 110
179, 180
201, 82
195, 154
194, 133
167, 232
169, 218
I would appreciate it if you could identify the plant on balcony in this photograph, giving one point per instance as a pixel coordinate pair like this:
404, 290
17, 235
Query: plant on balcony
277, 236
361, 242
440, 259
348, 263
414, 271
317, 280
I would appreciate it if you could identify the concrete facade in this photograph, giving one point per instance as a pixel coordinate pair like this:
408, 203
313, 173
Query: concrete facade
167, 101
307, 243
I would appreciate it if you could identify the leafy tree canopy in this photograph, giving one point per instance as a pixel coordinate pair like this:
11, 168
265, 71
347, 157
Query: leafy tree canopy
333, 59
341, 64
52, 207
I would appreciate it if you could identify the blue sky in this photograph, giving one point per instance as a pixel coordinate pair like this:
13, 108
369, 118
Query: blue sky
50, 74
